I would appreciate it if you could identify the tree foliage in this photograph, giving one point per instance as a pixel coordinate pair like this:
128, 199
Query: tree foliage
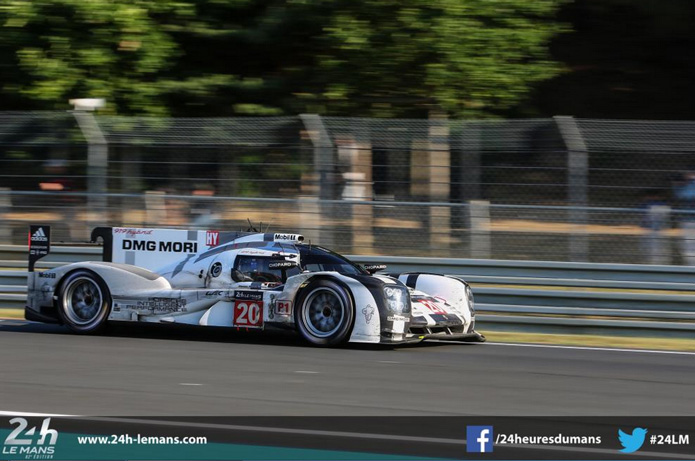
220, 57
112, 49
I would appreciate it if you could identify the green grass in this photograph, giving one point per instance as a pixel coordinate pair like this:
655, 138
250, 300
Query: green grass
626, 342
11, 313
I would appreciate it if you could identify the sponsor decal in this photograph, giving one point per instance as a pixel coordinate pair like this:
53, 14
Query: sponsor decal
132, 232
39, 236
288, 237
250, 251
24, 443
153, 245
212, 238
479, 439
271, 307
371, 268
248, 295
163, 305
431, 305
47, 275
216, 269
213, 294
248, 314
281, 265
39, 244
368, 313
284, 307
397, 318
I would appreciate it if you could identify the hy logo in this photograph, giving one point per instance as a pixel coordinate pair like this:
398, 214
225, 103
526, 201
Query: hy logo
479, 439
212, 238
632, 443
39, 236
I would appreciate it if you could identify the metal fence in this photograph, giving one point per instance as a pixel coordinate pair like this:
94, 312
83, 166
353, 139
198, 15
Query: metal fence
541, 189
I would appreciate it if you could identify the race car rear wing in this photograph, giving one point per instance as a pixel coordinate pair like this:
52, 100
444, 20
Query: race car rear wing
153, 249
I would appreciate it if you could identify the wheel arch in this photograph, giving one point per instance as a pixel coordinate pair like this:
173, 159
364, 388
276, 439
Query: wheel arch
367, 323
307, 287
104, 291
57, 292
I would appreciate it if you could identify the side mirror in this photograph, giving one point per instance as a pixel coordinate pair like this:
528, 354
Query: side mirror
282, 265
372, 268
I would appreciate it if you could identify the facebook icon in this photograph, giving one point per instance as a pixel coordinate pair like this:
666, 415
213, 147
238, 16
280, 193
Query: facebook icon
479, 439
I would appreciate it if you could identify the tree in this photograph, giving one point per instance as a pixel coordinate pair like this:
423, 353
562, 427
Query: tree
469, 58
112, 49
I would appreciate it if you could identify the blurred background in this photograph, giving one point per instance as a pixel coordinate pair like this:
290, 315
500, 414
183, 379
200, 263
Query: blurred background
546, 130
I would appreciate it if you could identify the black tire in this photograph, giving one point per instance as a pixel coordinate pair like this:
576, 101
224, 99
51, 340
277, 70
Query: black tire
84, 302
324, 313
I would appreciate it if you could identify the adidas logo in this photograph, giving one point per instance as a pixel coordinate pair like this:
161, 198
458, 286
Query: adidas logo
39, 236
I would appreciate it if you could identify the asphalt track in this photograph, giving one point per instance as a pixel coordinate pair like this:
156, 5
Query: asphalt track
138, 371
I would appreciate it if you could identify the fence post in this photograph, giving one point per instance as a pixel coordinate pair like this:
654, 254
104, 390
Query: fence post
658, 217
471, 175
155, 208
578, 173
97, 165
357, 194
309, 217
5, 207
131, 183
324, 168
479, 212
439, 164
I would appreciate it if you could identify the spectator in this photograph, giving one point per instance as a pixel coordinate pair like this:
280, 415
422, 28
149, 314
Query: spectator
655, 220
684, 191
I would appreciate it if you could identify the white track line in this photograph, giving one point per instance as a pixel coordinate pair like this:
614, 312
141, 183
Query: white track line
38, 415
588, 348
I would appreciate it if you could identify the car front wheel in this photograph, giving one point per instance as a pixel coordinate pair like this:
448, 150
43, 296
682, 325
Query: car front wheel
325, 313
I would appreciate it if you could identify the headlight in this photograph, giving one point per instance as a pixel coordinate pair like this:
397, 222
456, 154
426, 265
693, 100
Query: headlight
471, 302
397, 299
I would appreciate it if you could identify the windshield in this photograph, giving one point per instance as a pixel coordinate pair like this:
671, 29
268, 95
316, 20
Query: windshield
315, 259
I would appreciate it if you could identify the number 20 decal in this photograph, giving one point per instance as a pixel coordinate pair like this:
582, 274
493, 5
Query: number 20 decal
248, 314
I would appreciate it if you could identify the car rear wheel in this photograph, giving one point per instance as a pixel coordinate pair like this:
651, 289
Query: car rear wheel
84, 302
325, 313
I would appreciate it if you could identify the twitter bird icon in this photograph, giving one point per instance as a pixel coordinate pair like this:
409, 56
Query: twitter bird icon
632, 443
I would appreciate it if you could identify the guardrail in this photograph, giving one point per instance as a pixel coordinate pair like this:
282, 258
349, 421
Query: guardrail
510, 295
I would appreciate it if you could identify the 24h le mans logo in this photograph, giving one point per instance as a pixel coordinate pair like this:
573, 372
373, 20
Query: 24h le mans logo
23, 442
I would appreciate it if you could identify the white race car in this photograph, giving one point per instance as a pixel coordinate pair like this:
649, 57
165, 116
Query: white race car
244, 280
